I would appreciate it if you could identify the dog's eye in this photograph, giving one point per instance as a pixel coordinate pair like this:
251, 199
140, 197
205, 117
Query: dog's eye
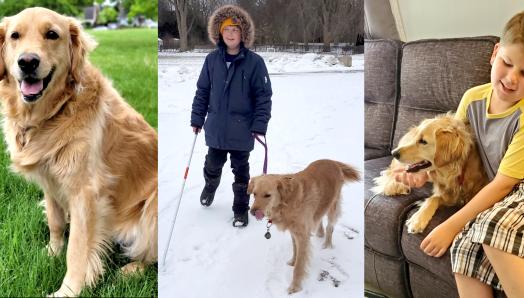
51, 35
267, 195
422, 141
15, 35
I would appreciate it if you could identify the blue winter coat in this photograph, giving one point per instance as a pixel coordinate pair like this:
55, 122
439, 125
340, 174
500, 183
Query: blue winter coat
237, 101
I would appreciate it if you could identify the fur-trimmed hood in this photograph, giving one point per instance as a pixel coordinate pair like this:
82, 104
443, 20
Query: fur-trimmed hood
227, 11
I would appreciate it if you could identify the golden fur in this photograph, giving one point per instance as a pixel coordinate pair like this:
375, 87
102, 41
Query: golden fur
94, 156
456, 169
298, 202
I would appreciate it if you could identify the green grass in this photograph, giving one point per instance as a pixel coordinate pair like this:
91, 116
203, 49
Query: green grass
129, 59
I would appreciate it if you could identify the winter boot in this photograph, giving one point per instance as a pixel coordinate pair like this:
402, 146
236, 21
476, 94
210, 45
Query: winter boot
240, 220
208, 193
240, 204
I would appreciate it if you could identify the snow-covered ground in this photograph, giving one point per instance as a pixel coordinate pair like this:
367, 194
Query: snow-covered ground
182, 65
317, 113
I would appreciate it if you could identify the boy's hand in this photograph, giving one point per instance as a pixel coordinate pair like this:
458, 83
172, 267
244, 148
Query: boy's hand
438, 241
414, 180
196, 129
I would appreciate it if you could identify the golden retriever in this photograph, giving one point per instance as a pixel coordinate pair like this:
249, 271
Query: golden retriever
445, 148
298, 202
69, 130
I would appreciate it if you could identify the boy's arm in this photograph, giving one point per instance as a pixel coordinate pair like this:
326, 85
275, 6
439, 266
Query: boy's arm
261, 86
201, 99
437, 242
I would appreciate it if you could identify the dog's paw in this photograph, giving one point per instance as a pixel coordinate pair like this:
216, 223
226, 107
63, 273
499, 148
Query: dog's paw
293, 288
54, 248
386, 184
327, 245
395, 188
63, 293
415, 225
132, 268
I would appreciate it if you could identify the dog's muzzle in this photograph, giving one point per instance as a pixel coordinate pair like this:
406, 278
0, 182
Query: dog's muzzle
31, 86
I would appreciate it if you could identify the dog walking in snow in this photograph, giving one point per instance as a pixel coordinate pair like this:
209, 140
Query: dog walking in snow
298, 202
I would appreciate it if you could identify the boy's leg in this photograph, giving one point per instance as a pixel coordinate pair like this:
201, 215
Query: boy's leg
509, 269
215, 160
474, 275
240, 167
472, 287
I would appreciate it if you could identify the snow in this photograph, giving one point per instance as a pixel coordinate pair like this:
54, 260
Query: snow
317, 113
186, 66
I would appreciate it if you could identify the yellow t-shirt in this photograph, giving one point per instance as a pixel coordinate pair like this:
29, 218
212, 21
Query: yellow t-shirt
500, 137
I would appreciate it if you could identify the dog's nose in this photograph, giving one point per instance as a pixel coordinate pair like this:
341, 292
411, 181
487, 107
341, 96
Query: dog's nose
396, 153
28, 62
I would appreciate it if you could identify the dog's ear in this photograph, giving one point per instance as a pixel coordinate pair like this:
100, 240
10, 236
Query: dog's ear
251, 185
3, 32
81, 44
285, 186
450, 146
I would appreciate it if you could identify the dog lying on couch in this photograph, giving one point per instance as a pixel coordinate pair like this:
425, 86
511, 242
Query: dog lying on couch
445, 148
298, 202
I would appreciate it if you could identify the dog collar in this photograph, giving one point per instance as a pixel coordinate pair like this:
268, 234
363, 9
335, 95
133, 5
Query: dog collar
461, 177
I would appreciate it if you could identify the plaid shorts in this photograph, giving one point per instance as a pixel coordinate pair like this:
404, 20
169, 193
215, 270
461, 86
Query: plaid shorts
501, 227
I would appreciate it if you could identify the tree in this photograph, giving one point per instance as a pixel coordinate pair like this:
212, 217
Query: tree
107, 15
306, 18
181, 11
67, 7
147, 8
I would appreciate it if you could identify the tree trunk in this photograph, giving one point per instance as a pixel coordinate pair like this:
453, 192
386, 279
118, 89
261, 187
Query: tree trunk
181, 19
326, 34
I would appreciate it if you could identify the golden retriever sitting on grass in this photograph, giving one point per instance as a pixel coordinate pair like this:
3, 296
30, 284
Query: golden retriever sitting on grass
445, 148
298, 202
68, 130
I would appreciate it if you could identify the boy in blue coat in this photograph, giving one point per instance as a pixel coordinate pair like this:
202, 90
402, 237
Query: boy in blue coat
234, 92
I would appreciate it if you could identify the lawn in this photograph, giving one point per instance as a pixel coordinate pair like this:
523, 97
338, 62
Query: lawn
129, 59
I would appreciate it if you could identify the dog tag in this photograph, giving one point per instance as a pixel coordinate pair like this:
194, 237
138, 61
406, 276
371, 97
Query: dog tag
267, 235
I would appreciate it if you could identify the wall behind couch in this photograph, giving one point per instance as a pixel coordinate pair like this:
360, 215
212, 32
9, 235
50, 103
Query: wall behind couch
418, 19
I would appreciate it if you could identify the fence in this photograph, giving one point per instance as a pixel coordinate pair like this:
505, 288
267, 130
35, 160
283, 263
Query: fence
169, 45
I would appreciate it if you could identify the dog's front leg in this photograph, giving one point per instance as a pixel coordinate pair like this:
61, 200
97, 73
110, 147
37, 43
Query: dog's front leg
83, 261
56, 222
418, 221
291, 262
302, 257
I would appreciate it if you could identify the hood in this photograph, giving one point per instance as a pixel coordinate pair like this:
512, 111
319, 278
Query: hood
222, 13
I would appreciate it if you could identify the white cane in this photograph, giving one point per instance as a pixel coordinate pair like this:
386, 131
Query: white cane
178, 204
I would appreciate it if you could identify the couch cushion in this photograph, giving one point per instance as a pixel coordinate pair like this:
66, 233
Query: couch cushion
426, 284
381, 79
384, 216
436, 73
440, 267
386, 273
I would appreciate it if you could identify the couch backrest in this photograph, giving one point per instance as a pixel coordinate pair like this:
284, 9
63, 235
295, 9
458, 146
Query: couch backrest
435, 74
381, 92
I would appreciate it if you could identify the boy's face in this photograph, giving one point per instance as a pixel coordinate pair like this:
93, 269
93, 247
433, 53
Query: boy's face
231, 36
507, 73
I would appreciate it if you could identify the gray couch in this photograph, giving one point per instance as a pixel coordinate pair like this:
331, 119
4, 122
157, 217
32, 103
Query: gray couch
405, 83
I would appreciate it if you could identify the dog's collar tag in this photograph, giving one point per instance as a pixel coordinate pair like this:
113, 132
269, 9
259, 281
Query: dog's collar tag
267, 235
268, 225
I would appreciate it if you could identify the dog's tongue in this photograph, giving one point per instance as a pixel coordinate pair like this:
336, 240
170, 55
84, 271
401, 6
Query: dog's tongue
259, 214
31, 88
418, 166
